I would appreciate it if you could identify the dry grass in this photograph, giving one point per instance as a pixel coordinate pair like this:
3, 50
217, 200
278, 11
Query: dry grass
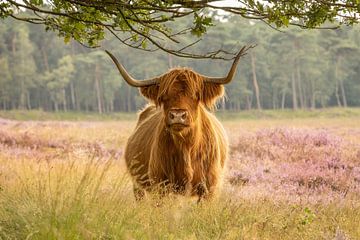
286, 179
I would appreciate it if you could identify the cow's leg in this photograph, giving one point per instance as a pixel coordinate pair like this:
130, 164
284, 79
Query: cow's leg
212, 181
159, 187
159, 190
189, 174
212, 185
201, 191
163, 188
139, 193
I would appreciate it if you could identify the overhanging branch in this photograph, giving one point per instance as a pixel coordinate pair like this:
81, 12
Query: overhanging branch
146, 21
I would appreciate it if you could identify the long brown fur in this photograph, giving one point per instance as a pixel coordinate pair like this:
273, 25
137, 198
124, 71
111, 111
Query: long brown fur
189, 162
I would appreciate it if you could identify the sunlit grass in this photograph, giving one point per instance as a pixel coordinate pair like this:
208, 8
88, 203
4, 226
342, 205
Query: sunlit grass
40, 115
286, 179
91, 200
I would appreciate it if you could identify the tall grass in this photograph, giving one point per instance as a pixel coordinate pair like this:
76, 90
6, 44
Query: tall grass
68, 181
93, 200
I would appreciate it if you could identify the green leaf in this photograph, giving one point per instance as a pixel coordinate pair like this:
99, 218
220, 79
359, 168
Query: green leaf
67, 39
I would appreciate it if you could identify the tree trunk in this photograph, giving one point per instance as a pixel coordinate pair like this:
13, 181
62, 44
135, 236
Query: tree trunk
128, 98
248, 102
237, 106
123, 100
274, 100
13, 44
112, 105
313, 94
56, 106
74, 102
97, 88
170, 61
255, 82
283, 97
342, 89
4, 104
77, 103
86, 104
301, 94
313, 101
28, 101
337, 94
45, 58
294, 96
22, 99
222, 104
72, 95
337, 83
64, 100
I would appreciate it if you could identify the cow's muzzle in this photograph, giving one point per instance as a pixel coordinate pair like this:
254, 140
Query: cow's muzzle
178, 119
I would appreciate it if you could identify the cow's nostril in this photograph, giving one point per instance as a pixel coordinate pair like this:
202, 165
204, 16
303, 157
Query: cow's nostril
171, 115
184, 115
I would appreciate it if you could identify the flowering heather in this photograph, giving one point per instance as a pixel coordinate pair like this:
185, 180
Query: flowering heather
294, 164
288, 164
54, 138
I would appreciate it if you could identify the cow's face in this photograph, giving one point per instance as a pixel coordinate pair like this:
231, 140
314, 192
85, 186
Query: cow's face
179, 107
180, 94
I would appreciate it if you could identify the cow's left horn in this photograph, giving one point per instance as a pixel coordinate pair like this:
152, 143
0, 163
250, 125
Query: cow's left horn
229, 77
130, 80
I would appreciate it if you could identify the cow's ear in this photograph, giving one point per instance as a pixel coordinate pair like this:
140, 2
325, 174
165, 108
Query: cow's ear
211, 92
150, 92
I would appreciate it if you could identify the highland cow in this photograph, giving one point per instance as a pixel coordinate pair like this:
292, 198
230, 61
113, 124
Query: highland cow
178, 145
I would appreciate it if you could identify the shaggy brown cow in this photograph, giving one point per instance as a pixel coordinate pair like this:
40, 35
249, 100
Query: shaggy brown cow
178, 145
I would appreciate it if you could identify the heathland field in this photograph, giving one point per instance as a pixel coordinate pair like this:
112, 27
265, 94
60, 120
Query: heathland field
286, 178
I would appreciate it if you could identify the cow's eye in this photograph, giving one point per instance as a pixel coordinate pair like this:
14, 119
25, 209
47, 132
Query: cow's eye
164, 98
197, 96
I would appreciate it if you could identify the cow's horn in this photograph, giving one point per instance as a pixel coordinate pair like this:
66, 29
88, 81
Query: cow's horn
229, 77
130, 80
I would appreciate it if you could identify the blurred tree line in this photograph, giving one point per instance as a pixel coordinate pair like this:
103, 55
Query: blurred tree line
291, 69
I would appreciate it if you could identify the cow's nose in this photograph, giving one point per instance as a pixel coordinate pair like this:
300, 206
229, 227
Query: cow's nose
177, 116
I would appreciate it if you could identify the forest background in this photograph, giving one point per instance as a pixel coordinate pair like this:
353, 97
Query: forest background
291, 68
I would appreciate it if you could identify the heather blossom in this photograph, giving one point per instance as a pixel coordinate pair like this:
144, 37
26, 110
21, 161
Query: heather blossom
290, 162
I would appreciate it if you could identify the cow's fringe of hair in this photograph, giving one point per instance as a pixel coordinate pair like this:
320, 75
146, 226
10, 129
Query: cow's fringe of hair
192, 80
207, 93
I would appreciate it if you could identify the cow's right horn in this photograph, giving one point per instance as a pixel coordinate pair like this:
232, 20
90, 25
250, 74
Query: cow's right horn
130, 80
229, 77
